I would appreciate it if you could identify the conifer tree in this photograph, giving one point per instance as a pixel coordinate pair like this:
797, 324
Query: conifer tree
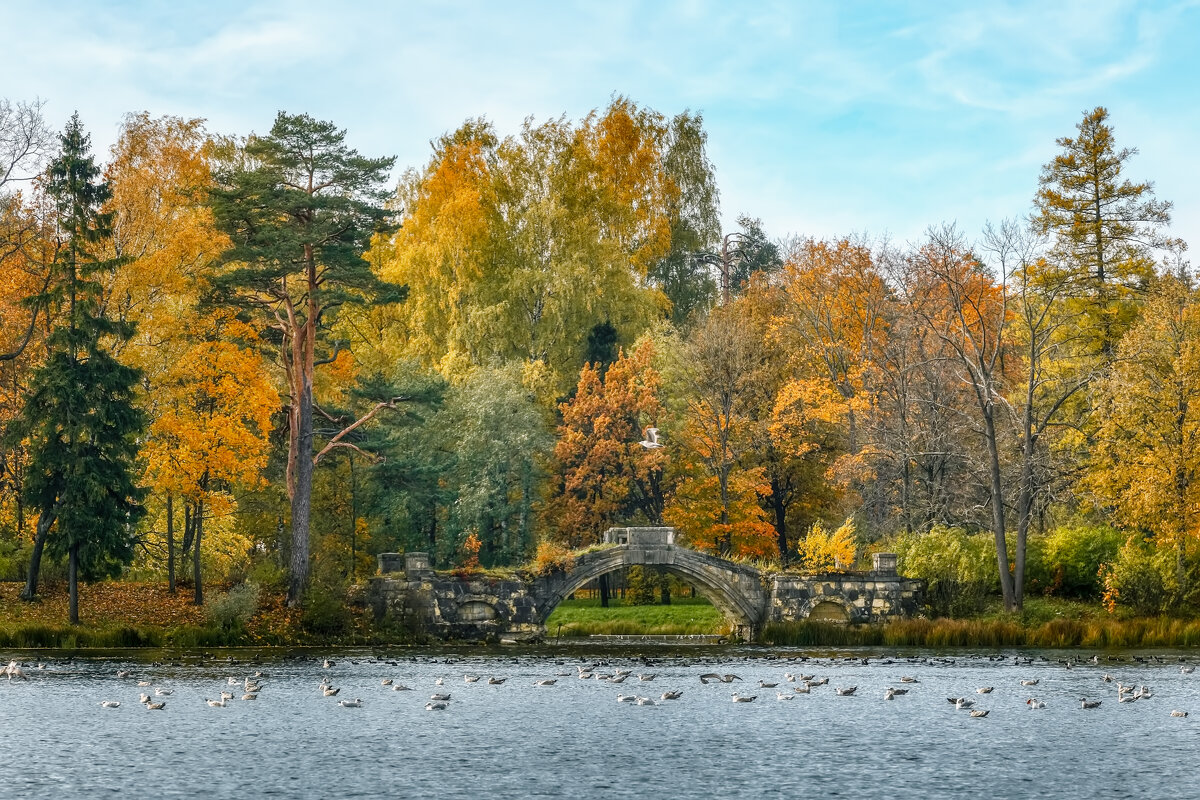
80, 420
301, 209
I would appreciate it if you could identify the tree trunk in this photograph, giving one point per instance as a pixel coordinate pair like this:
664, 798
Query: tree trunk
198, 522
780, 509
603, 591
997, 493
301, 495
73, 584
664, 585
45, 522
170, 543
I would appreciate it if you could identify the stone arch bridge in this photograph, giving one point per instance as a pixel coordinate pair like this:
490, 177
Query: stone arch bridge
474, 607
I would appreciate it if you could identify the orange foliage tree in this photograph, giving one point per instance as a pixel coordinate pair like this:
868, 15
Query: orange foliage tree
603, 473
715, 504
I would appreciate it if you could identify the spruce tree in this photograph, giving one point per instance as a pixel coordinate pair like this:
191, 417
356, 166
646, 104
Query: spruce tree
80, 420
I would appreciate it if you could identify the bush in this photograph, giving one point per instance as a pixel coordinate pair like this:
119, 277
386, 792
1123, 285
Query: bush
552, 557
325, 611
231, 610
640, 587
268, 575
1141, 578
959, 568
822, 551
1070, 558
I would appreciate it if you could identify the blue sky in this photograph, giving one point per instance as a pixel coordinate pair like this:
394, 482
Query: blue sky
824, 119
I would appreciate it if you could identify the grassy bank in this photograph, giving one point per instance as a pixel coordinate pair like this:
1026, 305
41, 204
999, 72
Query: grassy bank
684, 617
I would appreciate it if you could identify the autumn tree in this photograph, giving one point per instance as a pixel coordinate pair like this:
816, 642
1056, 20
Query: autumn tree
1146, 464
1104, 226
603, 474
514, 249
81, 419
210, 435
300, 208
713, 374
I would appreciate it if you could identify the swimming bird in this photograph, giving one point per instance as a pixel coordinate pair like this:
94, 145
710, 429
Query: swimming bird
897, 691
1085, 703
327, 663
1179, 713
159, 706
766, 685
226, 695
644, 701
331, 692
908, 679
143, 683
1144, 693
806, 677
979, 712
1127, 698
962, 703
355, 703
496, 681
649, 677
143, 698
110, 704
672, 695
546, 682
400, 687
984, 690
122, 673
846, 692
470, 679
1107, 678
386, 682
651, 441
1186, 670
163, 692
744, 698
439, 697
821, 682
1030, 682
617, 678
249, 696
805, 689
1032, 703
436, 706
215, 703
783, 696
626, 698
440, 681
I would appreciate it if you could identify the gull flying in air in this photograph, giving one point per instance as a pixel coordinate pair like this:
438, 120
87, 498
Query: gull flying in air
651, 441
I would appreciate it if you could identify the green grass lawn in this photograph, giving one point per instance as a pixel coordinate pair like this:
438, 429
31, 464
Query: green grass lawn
685, 616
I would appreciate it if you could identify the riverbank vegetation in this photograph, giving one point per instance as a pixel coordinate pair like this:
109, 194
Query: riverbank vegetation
276, 367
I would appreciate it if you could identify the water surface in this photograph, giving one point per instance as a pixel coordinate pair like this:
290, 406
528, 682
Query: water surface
574, 739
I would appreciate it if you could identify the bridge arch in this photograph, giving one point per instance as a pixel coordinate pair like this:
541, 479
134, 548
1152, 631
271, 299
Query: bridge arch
735, 589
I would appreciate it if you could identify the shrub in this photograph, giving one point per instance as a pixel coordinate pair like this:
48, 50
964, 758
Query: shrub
233, 609
1141, 578
325, 611
552, 557
821, 550
1070, 558
640, 587
959, 568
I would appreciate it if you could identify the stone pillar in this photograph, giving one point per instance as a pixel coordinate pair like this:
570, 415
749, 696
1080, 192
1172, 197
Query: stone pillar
390, 562
885, 564
416, 566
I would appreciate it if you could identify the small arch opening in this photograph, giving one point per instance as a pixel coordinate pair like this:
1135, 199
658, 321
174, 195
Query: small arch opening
827, 611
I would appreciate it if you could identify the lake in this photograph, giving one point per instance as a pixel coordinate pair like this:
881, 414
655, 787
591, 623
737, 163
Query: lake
574, 739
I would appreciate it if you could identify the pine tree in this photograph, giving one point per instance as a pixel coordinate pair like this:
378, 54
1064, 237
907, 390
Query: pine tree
1105, 227
80, 419
300, 211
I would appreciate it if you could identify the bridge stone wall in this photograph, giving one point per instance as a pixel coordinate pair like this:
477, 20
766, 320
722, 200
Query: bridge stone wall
471, 607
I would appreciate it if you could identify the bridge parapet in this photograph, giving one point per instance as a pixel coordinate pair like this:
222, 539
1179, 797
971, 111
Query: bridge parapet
640, 537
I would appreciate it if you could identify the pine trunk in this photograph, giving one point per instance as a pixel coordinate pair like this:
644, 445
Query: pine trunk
198, 596
301, 496
170, 544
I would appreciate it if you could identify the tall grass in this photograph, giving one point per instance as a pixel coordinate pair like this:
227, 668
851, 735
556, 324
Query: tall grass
1059, 633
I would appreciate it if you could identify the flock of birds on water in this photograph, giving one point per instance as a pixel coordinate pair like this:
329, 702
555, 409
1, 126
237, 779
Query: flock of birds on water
791, 685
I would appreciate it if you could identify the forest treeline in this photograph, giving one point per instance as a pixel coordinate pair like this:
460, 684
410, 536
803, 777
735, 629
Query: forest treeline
251, 357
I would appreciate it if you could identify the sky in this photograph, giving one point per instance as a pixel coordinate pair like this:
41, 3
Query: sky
824, 119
